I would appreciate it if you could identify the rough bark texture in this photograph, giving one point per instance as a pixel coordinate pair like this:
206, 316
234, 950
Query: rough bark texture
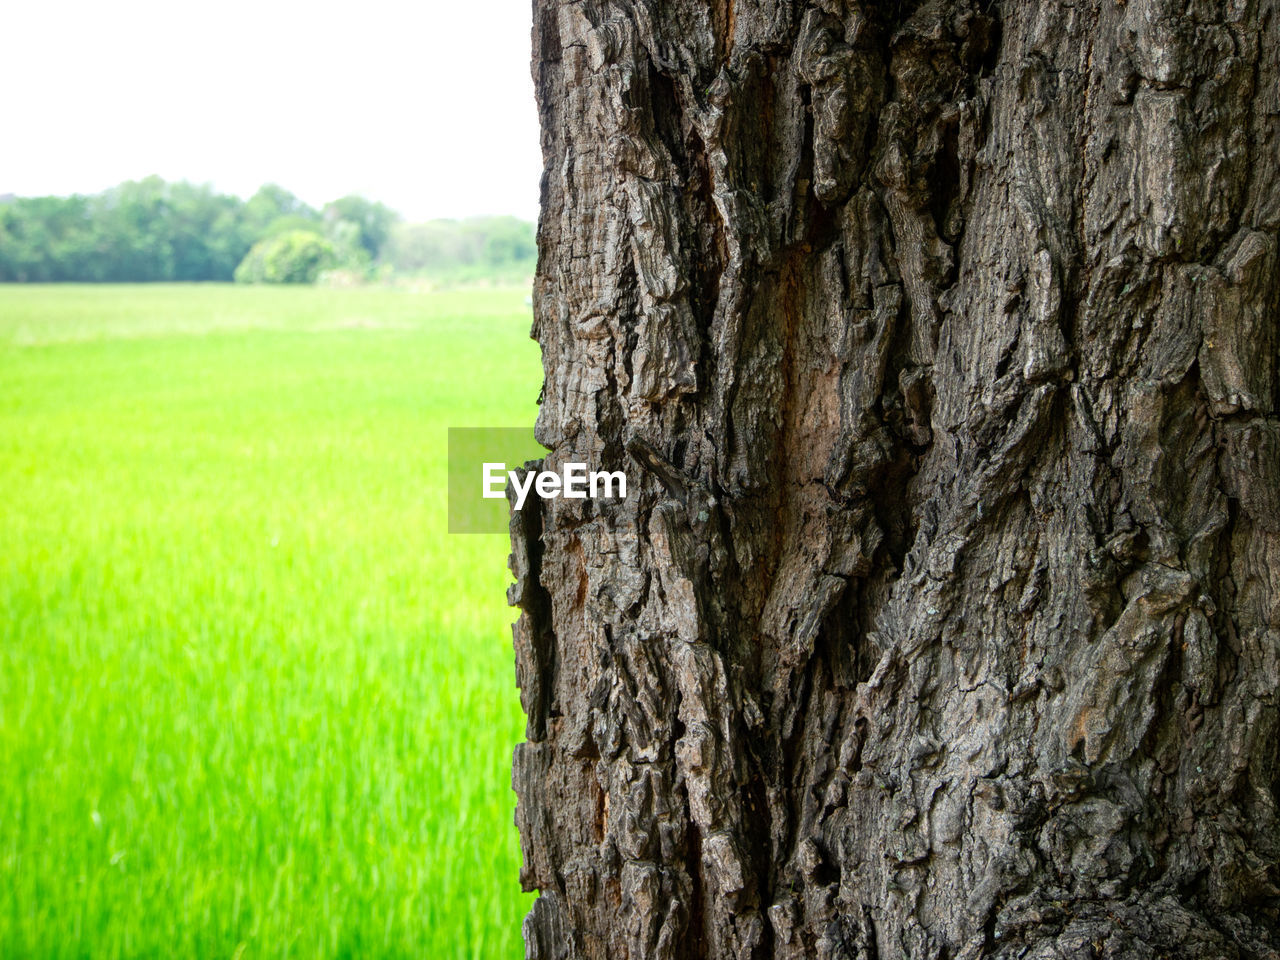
939, 342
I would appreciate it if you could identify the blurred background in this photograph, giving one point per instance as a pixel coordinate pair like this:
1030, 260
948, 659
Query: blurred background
255, 259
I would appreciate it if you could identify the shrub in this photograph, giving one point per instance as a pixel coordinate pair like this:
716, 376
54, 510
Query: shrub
296, 256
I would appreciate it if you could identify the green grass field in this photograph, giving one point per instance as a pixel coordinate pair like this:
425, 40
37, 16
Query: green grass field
254, 702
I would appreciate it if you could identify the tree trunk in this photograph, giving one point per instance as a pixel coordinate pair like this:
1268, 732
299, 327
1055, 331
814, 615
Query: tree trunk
939, 344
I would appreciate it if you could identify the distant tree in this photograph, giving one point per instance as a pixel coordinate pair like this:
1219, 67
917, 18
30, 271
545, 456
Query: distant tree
154, 230
479, 245
284, 224
140, 230
352, 254
131, 233
44, 239
508, 240
298, 256
372, 220
273, 203
200, 227
420, 247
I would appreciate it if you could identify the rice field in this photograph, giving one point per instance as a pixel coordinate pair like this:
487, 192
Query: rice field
254, 701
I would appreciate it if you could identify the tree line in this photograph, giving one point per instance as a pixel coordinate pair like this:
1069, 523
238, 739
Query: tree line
173, 231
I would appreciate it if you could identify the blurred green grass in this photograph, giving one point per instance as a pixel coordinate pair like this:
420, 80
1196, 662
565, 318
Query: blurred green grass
254, 702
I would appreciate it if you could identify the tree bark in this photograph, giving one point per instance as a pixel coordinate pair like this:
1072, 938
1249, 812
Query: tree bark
939, 343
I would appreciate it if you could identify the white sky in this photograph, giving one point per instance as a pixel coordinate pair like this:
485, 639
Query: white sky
426, 105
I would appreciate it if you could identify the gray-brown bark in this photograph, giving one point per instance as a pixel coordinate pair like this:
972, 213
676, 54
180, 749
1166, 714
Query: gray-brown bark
943, 618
